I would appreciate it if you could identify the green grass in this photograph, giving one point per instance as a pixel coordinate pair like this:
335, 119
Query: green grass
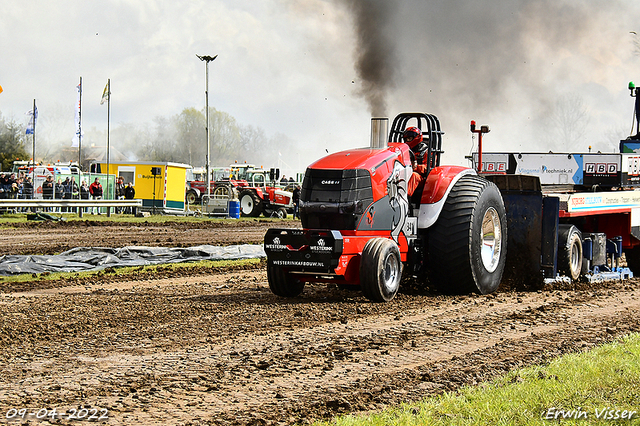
600, 381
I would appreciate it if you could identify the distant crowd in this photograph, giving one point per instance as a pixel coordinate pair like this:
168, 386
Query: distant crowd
15, 187
21, 187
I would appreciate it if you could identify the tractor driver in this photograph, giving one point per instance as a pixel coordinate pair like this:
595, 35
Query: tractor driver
412, 136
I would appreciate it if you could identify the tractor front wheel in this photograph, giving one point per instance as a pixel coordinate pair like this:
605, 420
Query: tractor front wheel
380, 270
282, 283
468, 243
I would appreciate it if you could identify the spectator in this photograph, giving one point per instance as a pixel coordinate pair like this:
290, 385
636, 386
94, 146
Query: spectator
66, 186
120, 187
4, 185
13, 189
70, 191
95, 189
84, 193
66, 191
75, 190
27, 189
130, 194
296, 202
20, 184
59, 190
47, 190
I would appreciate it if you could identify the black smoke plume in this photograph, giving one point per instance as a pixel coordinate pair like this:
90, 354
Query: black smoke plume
375, 58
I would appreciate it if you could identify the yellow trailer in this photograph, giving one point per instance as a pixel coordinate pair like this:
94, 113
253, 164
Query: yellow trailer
160, 186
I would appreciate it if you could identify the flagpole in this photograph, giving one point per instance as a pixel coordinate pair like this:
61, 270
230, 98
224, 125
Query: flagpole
33, 151
108, 120
80, 127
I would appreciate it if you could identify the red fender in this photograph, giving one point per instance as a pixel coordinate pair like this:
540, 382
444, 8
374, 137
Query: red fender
436, 188
439, 180
259, 192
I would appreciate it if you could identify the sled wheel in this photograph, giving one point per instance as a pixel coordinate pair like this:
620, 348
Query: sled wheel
467, 244
192, 197
282, 283
569, 251
380, 270
632, 256
250, 204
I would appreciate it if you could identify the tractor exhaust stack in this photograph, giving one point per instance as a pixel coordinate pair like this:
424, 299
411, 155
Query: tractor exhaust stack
379, 132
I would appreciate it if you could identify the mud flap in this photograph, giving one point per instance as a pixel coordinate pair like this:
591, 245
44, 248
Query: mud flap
550, 215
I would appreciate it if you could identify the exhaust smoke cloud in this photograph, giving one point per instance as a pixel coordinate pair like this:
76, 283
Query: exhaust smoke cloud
513, 65
375, 52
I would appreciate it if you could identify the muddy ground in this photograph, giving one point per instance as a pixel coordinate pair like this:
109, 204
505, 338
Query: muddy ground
214, 346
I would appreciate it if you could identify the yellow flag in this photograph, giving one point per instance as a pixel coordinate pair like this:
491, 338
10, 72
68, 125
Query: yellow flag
106, 93
1, 89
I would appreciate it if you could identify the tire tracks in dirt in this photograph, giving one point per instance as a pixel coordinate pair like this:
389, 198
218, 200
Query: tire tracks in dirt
226, 351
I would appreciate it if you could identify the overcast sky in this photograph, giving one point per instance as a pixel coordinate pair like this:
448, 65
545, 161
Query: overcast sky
289, 66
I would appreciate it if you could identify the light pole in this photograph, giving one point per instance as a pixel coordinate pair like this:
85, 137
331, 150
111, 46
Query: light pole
207, 59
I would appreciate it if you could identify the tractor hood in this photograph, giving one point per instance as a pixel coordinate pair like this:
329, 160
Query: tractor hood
363, 158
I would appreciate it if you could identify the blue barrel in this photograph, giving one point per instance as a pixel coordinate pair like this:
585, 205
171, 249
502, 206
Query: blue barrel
234, 209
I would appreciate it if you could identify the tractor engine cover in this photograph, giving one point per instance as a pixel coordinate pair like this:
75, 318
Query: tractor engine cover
361, 189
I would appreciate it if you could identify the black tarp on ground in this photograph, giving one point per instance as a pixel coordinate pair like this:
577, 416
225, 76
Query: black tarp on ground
87, 259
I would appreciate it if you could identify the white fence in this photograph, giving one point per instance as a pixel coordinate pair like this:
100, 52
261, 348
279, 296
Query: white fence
82, 206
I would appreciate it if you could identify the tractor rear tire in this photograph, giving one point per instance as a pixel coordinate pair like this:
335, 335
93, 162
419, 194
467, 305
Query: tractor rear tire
380, 270
282, 283
250, 204
467, 245
222, 191
569, 251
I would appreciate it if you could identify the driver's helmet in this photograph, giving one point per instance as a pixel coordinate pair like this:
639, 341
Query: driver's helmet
412, 136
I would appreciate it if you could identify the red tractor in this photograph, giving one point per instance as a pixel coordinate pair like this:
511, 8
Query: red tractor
257, 191
255, 188
196, 182
261, 195
361, 228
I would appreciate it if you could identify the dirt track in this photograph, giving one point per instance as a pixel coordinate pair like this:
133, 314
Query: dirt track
216, 347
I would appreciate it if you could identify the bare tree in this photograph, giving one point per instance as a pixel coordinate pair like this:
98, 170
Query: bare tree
225, 137
162, 141
252, 144
566, 124
191, 136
